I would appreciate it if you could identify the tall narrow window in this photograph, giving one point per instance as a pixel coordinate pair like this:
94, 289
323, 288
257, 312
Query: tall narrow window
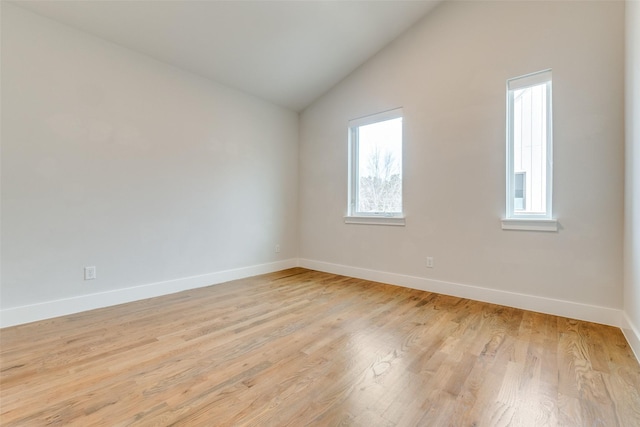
375, 167
529, 147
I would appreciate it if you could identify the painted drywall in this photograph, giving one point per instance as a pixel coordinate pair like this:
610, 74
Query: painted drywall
632, 182
114, 160
449, 74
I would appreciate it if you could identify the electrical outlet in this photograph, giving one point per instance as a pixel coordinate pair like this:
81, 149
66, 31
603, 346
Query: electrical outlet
429, 262
277, 249
89, 273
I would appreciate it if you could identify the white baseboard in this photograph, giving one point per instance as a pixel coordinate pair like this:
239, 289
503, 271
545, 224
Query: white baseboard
573, 310
632, 334
46, 310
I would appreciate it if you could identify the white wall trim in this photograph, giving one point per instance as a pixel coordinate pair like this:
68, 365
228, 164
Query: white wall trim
46, 310
530, 224
590, 313
632, 334
49, 309
376, 220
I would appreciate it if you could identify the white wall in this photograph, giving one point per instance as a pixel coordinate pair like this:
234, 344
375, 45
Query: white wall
632, 183
152, 174
164, 179
449, 74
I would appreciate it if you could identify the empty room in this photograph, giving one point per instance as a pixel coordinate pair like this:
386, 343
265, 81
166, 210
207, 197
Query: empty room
290, 213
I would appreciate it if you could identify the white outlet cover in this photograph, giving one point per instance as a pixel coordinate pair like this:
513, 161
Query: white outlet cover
89, 273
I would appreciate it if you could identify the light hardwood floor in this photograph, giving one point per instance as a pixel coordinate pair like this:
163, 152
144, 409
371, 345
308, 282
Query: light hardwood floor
300, 347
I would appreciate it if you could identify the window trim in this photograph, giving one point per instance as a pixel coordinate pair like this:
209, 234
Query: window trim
528, 224
373, 218
376, 220
527, 221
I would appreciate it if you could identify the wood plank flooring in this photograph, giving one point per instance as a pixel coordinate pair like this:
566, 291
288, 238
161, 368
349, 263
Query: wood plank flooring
300, 347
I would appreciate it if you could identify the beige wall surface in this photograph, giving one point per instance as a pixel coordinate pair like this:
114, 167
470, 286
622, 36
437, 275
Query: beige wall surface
632, 183
114, 160
449, 74
152, 174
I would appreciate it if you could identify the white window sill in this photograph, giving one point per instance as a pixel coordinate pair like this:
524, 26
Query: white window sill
530, 224
375, 220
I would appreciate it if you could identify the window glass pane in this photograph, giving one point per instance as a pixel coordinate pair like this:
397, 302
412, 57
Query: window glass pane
520, 185
379, 177
530, 149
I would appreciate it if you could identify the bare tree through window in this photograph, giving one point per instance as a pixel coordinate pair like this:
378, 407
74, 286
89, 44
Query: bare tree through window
379, 178
381, 188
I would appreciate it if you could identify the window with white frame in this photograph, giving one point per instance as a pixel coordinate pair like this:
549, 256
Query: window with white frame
529, 153
375, 169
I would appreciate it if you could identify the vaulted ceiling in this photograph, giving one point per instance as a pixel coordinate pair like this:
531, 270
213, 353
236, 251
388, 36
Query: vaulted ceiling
286, 52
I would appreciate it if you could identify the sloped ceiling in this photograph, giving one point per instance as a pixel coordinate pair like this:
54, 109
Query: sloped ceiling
286, 52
